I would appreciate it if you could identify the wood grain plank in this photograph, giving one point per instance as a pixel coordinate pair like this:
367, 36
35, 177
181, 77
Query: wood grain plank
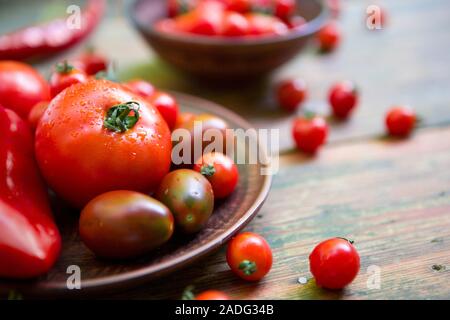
391, 197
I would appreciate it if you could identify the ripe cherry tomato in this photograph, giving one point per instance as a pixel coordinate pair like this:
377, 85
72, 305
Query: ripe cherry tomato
190, 198
36, 113
329, 37
199, 127
125, 224
212, 295
262, 24
343, 99
235, 25
310, 133
98, 136
241, 6
284, 8
21, 87
183, 118
64, 76
400, 121
141, 87
291, 94
334, 263
205, 19
167, 106
296, 21
249, 256
91, 62
221, 172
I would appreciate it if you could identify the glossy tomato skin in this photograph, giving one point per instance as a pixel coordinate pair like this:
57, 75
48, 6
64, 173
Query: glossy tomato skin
124, 224
310, 133
212, 295
265, 25
36, 113
198, 127
167, 106
141, 87
291, 94
249, 249
60, 80
21, 87
205, 19
190, 198
400, 121
329, 37
343, 98
334, 263
80, 158
235, 25
284, 8
221, 172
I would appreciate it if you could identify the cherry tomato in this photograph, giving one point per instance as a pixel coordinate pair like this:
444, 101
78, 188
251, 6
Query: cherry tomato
284, 8
183, 118
199, 127
212, 295
21, 87
64, 76
36, 113
98, 136
141, 87
221, 172
334, 263
329, 37
205, 19
291, 94
167, 106
343, 99
249, 256
261, 24
241, 6
190, 198
124, 224
296, 21
400, 121
91, 62
310, 133
235, 25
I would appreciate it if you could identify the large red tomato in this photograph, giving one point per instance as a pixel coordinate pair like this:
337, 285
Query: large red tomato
21, 87
98, 136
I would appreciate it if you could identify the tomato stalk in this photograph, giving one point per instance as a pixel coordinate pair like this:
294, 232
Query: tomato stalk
208, 170
118, 118
247, 267
64, 67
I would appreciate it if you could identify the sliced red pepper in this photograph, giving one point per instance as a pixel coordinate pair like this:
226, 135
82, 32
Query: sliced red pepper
49, 38
29, 239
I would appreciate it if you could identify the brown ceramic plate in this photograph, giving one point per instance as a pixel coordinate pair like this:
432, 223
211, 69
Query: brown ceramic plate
100, 276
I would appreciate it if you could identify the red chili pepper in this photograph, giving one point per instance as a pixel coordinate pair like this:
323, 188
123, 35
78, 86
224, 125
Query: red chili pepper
29, 239
51, 37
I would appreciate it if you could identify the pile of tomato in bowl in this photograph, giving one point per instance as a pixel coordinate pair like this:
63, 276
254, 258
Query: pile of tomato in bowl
228, 40
231, 18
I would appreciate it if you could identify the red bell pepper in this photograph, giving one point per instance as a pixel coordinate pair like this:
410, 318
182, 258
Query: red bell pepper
29, 239
51, 37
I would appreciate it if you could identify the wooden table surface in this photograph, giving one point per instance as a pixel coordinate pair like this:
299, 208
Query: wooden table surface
391, 196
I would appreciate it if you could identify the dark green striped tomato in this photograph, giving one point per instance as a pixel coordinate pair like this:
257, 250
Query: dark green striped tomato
189, 196
125, 224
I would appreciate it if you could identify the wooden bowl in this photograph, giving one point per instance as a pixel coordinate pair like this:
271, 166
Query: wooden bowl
226, 58
101, 276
